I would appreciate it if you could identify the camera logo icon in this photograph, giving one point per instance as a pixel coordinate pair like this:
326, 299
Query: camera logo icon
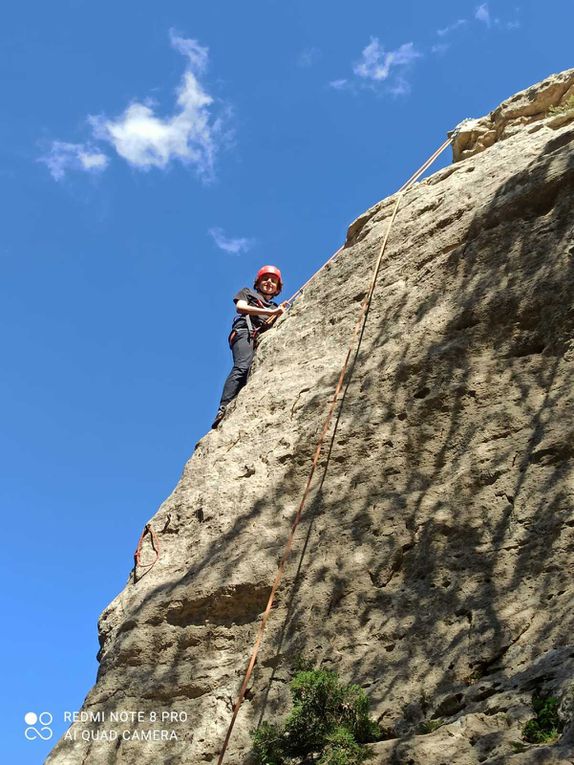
38, 726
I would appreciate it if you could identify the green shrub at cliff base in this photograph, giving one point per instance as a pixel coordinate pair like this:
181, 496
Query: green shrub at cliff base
268, 745
328, 719
320, 705
546, 726
342, 749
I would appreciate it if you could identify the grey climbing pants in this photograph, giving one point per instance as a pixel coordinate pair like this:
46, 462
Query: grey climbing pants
243, 349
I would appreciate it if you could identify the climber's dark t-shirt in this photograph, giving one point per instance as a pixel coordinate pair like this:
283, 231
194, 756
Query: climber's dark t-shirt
251, 297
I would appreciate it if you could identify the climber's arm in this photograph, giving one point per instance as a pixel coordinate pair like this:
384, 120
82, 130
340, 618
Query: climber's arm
251, 310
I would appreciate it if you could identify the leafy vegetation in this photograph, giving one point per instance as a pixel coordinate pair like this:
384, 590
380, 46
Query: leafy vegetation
546, 726
562, 108
328, 724
474, 676
429, 726
518, 746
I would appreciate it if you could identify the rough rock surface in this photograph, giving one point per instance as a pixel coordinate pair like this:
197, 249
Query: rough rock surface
534, 105
434, 563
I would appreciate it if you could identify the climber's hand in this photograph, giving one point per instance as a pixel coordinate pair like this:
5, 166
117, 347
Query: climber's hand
280, 310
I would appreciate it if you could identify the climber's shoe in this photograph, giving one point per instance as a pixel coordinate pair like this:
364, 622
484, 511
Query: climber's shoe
218, 417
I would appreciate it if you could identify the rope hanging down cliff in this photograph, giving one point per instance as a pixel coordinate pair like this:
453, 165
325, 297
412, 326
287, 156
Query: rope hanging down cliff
358, 330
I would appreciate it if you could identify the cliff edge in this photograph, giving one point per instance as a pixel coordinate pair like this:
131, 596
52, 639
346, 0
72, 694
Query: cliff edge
434, 563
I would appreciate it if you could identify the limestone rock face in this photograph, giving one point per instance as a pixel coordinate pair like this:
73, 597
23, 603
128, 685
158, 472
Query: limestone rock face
434, 562
537, 104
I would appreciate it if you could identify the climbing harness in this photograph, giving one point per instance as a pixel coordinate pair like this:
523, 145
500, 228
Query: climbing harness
148, 529
232, 336
358, 330
252, 332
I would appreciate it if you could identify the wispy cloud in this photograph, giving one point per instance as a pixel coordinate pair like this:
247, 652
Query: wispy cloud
400, 87
308, 57
232, 245
339, 84
73, 156
377, 66
376, 63
482, 13
508, 26
440, 48
391, 68
452, 27
190, 135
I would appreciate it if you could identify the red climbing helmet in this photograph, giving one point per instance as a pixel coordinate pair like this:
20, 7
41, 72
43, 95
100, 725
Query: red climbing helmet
274, 271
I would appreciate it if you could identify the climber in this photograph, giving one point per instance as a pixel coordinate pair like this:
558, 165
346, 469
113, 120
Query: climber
257, 312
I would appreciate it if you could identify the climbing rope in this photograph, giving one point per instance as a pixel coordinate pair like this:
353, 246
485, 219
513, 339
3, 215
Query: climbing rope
300, 290
404, 187
359, 327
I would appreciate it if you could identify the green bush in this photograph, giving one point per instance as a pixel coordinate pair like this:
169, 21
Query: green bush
328, 719
546, 726
342, 749
267, 745
429, 726
565, 107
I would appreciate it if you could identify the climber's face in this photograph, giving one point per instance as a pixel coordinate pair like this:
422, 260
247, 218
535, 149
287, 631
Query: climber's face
268, 284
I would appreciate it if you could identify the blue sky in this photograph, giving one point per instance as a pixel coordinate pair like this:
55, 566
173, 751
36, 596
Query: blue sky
153, 156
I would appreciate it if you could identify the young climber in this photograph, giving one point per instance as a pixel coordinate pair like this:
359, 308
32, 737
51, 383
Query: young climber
254, 307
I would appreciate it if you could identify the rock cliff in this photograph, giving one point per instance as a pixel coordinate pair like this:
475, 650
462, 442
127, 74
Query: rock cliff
434, 563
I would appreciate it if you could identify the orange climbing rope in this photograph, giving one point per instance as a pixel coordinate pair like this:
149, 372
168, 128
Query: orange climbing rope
404, 187
365, 305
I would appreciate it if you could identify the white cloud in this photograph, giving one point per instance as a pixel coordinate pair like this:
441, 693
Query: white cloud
308, 57
440, 48
400, 87
73, 156
338, 84
190, 135
509, 26
197, 55
451, 27
228, 244
376, 64
483, 14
